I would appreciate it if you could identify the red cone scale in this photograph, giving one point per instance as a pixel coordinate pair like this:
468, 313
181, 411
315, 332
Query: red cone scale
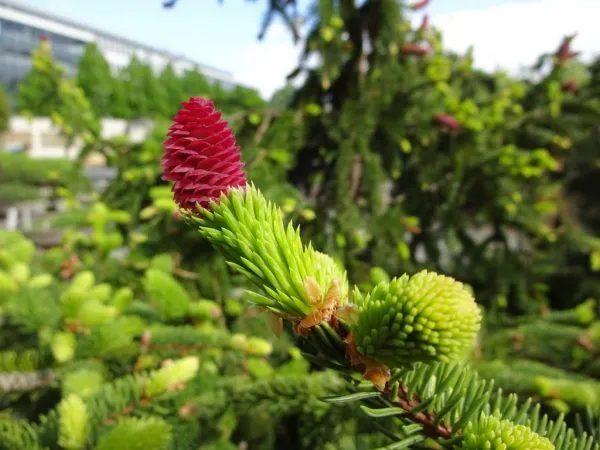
420, 4
565, 52
424, 23
569, 86
412, 48
446, 121
201, 155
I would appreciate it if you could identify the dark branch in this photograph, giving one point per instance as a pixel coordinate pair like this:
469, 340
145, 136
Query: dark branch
25, 381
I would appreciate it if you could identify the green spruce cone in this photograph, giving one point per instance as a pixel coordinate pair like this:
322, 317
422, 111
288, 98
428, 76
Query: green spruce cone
426, 317
491, 433
295, 280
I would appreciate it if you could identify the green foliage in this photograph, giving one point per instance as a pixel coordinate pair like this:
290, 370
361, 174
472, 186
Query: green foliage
111, 366
170, 298
17, 192
5, 111
142, 434
20, 168
118, 100
419, 318
382, 326
38, 92
25, 361
73, 423
565, 346
21, 177
15, 249
174, 89
240, 98
18, 435
557, 388
82, 382
95, 80
145, 96
294, 279
490, 432
459, 201
139, 169
452, 398
171, 375
45, 91
195, 84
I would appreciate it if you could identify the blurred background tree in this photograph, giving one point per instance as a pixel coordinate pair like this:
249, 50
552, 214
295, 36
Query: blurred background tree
136, 84
174, 88
38, 93
5, 111
411, 158
95, 79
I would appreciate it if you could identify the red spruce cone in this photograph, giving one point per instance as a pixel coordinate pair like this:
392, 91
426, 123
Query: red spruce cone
565, 53
424, 23
569, 86
420, 5
201, 155
447, 121
414, 49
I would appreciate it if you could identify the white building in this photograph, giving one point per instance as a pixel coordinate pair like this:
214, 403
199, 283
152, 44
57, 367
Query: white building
40, 138
22, 27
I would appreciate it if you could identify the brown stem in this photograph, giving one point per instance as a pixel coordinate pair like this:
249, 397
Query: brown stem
586, 343
124, 412
185, 274
355, 176
315, 189
427, 419
379, 374
264, 126
144, 347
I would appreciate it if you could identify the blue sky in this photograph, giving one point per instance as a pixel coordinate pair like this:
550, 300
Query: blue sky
506, 33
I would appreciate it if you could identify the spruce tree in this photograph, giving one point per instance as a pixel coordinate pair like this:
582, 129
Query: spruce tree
37, 94
46, 91
119, 106
239, 98
133, 77
145, 97
5, 111
195, 83
95, 79
156, 93
173, 87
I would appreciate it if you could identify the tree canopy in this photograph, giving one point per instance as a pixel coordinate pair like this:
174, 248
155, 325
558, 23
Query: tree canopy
95, 79
4, 110
38, 94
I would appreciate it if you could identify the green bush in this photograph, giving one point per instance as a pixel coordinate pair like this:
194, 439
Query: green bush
17, 192
20, 168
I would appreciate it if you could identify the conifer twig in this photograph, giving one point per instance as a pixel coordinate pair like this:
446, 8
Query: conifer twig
26, 381
427, 419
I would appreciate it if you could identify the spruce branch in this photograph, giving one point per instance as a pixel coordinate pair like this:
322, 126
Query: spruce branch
277, 396
18, 435
388, 335
429, 421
